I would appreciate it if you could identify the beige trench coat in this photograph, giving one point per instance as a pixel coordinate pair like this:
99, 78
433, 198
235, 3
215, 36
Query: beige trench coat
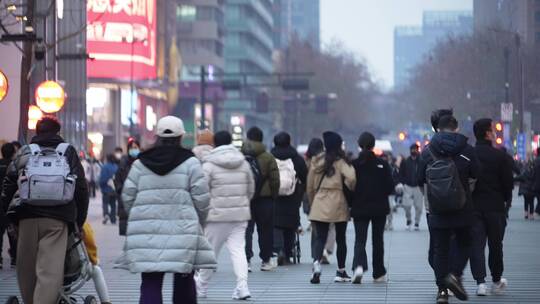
328, 204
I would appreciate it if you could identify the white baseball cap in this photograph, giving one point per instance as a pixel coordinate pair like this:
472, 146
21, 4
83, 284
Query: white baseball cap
170, 126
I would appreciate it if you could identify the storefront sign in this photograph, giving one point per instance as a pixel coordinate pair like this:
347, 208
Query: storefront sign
121, 39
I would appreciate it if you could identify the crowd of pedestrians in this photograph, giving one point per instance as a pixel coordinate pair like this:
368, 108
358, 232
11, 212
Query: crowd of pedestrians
178, 208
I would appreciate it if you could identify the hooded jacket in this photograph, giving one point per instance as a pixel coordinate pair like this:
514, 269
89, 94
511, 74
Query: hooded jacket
408, 171
454, 145
167, 200
374, 183
493, 190
231, 184
325, 193
287, 208
201, 151
268, 165
74, 212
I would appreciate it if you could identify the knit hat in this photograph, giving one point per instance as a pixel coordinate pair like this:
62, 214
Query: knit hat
366, 141
205, 137
332, 141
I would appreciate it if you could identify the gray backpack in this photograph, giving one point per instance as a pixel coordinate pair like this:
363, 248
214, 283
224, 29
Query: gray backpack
46, 180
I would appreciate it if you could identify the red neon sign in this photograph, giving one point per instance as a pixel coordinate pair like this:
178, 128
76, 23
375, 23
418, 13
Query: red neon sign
121, 37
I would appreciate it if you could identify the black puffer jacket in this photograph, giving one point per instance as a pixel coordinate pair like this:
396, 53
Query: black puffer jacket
493, 189
374, 183
119, 179
408, 171
526, 181
74, 212
447, 144
287, 208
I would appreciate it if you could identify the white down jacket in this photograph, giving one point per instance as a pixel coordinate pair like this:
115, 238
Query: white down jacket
231, 184
164, 231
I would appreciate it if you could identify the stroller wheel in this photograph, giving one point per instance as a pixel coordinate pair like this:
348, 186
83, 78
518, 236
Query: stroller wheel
90, 300
12, 300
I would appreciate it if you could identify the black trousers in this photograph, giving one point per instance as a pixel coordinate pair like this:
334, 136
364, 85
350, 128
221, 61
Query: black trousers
109, 206
262, 215
490, 227
444, 261
377, 238
284, 239
321, 235
12, 243
529, 203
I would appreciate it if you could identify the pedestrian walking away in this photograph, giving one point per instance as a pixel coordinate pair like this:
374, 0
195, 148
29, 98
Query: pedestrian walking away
447, 168
526, 189
106, 184
205, 144
266, 176
8, 154
329, 174
492, 197
44, 210
167, 200
412, 194
293, 177
374, 184
231, 186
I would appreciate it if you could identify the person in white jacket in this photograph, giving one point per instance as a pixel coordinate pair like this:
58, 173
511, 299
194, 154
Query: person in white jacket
231, 189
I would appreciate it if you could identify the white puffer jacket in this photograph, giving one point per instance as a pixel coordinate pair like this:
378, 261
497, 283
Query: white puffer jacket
231, 184
166, 212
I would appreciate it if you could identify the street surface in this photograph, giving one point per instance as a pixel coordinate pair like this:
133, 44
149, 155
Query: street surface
410, 278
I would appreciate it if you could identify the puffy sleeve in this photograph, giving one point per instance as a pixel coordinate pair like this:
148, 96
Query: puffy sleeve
198, 189
349, 175
129, 191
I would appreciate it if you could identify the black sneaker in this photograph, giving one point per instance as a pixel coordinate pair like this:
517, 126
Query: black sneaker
342, 277
442, 296
455, 285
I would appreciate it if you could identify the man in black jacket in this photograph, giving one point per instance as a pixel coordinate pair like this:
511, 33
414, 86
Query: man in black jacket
287, 207
536, 185
492, 197
412, 194
43, 231
370, 203
8, 153
448, 143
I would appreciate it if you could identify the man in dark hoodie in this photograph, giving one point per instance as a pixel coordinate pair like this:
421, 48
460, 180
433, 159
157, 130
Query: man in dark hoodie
492, 198
262, 204
448, 143
8, 153
43, 231
287, 207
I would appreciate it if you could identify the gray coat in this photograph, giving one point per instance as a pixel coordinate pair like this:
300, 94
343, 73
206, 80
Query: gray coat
166, 212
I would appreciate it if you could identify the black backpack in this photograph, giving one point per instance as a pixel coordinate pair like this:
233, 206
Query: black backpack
257, 174
445, 193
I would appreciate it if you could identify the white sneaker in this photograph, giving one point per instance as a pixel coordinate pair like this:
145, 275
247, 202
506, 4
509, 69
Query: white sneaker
201, 290
409, 227
357, 275
499, 287
381, 279
481, 290
267, 266
316, 276
241, 293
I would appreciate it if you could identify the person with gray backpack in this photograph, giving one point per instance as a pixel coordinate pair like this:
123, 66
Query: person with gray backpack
47, 194
447, 172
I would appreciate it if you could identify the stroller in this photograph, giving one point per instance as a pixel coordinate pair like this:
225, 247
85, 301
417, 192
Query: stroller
77, 271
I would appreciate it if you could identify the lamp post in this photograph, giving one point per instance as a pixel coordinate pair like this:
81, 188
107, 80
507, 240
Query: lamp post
131, 80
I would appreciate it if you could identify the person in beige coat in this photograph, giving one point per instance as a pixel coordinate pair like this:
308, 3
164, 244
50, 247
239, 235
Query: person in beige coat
328, 175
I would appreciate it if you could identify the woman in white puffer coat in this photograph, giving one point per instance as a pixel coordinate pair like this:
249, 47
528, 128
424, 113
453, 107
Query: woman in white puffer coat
231, 189
167, 201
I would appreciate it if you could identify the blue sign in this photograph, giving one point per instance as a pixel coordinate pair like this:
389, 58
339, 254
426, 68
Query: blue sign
521, 146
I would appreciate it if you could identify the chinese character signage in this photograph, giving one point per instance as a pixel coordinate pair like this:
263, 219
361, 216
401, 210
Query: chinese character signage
121, 39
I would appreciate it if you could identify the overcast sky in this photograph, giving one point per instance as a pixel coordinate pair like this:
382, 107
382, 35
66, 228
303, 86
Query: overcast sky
366, 26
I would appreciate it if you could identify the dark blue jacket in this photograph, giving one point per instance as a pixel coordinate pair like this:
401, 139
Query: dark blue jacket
447, 144
107, 173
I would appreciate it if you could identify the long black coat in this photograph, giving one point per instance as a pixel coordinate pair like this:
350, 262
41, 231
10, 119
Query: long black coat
374, 183
287, 208
119, 179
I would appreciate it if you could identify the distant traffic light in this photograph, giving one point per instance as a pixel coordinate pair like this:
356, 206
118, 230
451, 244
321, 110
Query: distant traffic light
499, 134
402, 136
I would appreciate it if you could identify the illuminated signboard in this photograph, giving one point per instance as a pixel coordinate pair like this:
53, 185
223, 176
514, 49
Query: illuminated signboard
121, 39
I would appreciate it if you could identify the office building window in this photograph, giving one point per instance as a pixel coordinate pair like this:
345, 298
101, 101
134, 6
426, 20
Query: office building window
186, 13
537, 16
537, 38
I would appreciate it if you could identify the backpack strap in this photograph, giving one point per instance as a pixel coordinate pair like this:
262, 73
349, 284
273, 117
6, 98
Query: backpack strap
62, 148
34, 149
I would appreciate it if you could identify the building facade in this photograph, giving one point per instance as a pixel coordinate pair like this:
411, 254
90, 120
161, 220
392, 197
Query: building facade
412, 43
248, 57
296, 17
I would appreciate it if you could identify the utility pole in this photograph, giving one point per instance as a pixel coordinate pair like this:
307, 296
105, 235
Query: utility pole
522, 89
26, 65
506, 76
203, 98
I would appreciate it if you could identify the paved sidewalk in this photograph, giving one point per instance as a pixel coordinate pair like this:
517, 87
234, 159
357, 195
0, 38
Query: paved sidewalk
410, 278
